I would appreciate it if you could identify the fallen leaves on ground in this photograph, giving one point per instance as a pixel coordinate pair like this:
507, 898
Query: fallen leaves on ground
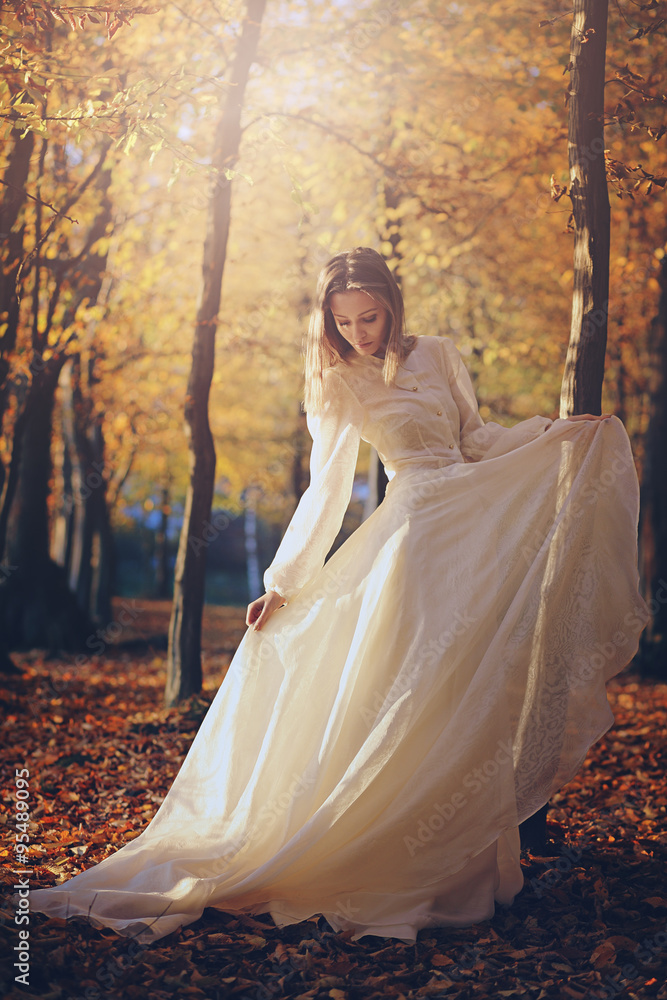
101, 750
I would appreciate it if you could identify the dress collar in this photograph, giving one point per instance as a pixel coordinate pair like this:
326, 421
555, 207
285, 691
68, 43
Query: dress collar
405, 375
405, 365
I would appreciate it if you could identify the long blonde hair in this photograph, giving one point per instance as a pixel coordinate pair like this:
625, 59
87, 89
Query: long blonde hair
365, 270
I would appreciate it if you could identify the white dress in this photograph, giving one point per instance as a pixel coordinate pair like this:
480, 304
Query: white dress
373, 749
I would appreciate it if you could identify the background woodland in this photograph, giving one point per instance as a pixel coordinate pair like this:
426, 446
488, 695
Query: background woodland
435, 132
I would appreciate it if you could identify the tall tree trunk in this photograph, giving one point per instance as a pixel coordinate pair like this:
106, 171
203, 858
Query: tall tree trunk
80, 563
104, 554
250, 536
12, 198
184, 674
36, 605
28, 535
653, 528
581, 390
584, 368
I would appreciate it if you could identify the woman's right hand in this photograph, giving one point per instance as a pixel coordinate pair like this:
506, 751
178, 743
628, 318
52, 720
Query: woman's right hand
260, 611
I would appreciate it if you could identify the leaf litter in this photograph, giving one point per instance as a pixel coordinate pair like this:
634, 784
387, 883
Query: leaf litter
591, 921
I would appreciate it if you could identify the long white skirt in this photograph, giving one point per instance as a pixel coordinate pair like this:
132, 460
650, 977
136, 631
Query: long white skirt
372, 751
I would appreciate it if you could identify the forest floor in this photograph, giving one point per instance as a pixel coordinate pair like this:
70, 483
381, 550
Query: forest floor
101, 752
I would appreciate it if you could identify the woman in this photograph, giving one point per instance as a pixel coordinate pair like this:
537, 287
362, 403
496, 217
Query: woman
391, 717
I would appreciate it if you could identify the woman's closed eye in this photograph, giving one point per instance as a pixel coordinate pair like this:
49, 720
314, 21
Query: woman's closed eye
366, 319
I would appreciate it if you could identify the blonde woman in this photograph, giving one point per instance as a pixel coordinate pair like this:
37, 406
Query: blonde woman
393, 714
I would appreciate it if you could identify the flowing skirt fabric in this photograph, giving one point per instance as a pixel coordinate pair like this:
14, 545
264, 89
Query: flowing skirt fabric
372, 751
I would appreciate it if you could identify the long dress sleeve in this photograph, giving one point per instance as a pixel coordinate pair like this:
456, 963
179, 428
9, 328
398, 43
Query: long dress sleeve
336, 431
479, 440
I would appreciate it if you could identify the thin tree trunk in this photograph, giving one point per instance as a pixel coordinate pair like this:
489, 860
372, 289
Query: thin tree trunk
299, 458
653, 527
65, 520
104, 560
184, 674
80, 563
61, 540
162, 548
581, 390
250, 536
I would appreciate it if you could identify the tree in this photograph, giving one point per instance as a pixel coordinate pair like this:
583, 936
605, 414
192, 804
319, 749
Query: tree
653, 525
184, 658
37, 607
50, 280
584, 367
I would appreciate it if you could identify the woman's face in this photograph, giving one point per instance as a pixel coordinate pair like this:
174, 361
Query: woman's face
361, 320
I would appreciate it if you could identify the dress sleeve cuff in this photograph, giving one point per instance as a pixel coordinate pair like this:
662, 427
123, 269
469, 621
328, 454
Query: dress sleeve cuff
280, 591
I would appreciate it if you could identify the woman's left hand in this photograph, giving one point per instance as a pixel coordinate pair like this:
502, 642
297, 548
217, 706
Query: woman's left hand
590, 416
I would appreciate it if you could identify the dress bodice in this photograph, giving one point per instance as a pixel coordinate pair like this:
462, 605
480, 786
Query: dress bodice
428, 418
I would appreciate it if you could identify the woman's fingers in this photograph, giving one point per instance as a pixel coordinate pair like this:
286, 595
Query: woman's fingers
590, 416
254, 611
262, 618
261, 610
